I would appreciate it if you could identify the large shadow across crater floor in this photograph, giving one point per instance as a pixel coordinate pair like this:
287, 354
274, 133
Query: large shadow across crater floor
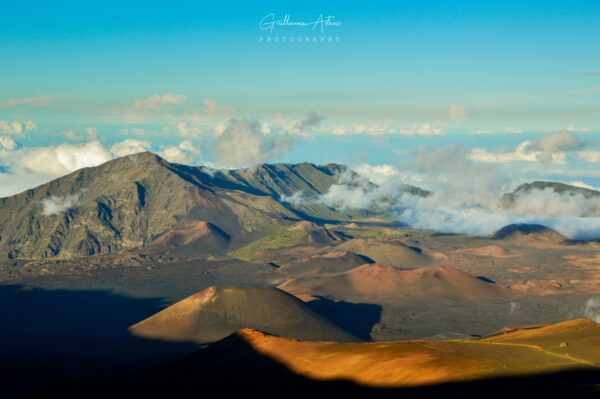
71, 334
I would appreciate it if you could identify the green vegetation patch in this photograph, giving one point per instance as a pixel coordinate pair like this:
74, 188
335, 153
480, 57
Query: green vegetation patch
379, 233
279, 239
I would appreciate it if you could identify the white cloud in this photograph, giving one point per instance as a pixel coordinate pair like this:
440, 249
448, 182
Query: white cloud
572, 128
311, 121
551, 145
482, 131
523, 152
137, 131
70, 134
465, 197
64, 158
57, 205
7, 143
546, 149
156, 101
378, 174
509, 129
583, 185
423, 129
243, 143
92, 132
17, 128
589, 156
458, 112
89, 133
153, 106
378, 129
187, 129
130, 146
181, 153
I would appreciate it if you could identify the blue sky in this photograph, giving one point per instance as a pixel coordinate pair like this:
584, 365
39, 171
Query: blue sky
403, 74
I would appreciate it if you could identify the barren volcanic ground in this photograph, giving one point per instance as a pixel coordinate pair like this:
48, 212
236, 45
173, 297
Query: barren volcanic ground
172, 256
440, 285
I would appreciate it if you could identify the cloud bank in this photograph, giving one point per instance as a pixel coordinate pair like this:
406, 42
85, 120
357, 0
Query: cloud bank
466, 196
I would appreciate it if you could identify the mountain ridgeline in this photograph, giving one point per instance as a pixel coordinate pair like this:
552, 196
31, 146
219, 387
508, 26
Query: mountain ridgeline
143, 202
131, 202
509, 199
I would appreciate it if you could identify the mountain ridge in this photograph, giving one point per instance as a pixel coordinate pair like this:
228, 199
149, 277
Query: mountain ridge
126, 203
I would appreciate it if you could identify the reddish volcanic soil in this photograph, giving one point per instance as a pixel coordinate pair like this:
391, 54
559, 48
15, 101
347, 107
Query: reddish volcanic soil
564, 346
380, 283
191, 237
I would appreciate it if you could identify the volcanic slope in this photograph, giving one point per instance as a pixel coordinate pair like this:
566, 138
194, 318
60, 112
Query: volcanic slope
394, 364
376, 283
528, 234
391, 253
579, 339
216, 312
191, 238
129, 202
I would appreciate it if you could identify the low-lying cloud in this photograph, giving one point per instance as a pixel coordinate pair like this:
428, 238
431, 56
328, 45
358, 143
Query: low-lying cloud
58, 205
465, 197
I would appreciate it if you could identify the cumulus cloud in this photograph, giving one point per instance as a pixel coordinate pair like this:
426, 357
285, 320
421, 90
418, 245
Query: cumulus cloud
302, 127
555, 143
64, 158
130, 146
17, 128
546, 149
458, 112
58, 205
522, 152
182, 153
243, 143
378, 174
7, 143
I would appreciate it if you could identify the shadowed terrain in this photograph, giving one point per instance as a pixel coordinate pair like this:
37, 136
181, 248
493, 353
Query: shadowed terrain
52, 335
216, 312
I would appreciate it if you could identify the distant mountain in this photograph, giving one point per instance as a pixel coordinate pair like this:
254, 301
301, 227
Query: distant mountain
508, 199
142, 200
